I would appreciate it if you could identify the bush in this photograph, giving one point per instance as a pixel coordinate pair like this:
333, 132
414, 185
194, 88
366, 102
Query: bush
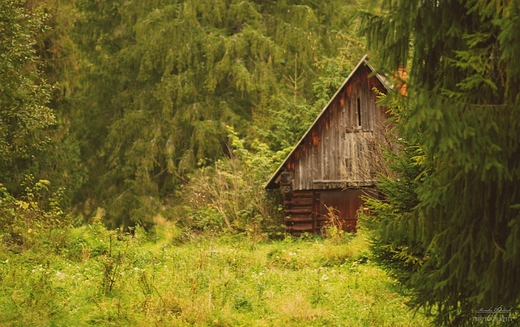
35, 220
229, 195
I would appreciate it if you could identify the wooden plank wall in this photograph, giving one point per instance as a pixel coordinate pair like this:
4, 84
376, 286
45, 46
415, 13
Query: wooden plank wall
338, 152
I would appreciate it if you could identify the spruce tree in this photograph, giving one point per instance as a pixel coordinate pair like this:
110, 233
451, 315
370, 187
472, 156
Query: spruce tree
463, 110
165, 78
60, 161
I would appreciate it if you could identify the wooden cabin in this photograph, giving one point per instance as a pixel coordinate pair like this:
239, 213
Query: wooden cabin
337, 159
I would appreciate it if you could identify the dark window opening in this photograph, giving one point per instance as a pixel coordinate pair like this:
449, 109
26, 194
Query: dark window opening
359, 111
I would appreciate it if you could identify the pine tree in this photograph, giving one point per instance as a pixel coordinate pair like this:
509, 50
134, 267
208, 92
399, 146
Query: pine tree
463, 110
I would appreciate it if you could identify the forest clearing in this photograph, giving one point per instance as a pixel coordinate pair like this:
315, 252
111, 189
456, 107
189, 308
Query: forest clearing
173, 279
203, 162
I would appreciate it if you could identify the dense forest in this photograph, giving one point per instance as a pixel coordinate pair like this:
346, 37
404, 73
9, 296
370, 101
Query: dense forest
130, 99
130, 114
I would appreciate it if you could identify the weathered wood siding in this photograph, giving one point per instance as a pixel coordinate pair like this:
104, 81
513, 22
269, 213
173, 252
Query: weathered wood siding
338, 151
338, 158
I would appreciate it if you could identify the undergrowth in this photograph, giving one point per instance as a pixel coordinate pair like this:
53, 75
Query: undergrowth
53, 274
103, 278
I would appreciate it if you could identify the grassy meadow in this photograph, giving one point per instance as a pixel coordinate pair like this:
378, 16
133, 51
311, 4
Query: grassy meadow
99, 278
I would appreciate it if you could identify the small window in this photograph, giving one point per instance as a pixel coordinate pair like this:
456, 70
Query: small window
359, 111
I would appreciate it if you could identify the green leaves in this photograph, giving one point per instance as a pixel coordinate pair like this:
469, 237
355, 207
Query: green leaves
24, 93
35, 220
230, 194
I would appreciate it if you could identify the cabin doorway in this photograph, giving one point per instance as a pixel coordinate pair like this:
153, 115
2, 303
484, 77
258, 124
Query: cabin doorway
343, 204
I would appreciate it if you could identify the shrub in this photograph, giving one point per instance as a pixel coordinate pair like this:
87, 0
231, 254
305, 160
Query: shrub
229, 195
35, 219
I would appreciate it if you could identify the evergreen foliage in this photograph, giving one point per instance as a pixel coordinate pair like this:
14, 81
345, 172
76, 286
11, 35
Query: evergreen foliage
119, 102
56, 49
389, 219
462, 110
165, 78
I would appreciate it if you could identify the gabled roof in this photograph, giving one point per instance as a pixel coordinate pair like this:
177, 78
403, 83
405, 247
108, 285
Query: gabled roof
272, 183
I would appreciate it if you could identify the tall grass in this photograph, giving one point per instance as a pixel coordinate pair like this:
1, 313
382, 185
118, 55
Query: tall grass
104, 279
